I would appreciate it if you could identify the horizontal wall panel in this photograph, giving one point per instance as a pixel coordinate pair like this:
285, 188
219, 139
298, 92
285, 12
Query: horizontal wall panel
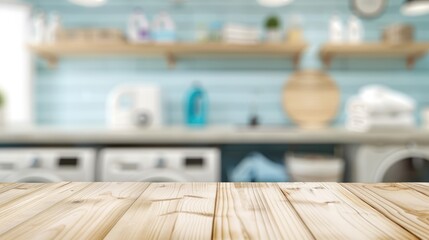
75, 92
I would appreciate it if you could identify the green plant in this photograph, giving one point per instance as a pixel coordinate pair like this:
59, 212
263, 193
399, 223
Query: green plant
272, 22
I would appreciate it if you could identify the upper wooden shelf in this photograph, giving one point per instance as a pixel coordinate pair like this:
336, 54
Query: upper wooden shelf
410, 52
52, 52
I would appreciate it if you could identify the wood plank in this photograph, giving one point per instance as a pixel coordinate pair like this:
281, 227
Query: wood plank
81, 49
7, 186
88, 214
210, 210
169, 211
16, 212
332, 212
18, 190
421, 187
256, 211
420, 184
373, 49
410, 52
52, 52
403, 205
2, 185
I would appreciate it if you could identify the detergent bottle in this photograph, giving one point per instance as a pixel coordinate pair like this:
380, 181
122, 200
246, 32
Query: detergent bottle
196, 106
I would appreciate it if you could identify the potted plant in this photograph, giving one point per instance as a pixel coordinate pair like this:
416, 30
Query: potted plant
273, 29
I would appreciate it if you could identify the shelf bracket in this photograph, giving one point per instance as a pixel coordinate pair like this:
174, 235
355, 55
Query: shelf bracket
171, 60
326, 59
411, 59
296, 60
51, 60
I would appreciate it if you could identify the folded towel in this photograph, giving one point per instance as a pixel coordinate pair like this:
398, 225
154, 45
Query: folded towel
238, 41
241, 34
383, 99
377, 107
362, 123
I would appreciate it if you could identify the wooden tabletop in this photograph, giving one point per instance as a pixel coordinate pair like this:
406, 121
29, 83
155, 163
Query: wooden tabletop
214, 210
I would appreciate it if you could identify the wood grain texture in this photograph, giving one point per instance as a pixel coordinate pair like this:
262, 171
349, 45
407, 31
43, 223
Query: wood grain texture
422, 188
256, 211
172, 52
374, 49
332, 212
169, 211
16, 212
410, 52
2, 185
7, 186
82, 49
214, 211
16, 191
398, 202
88, 214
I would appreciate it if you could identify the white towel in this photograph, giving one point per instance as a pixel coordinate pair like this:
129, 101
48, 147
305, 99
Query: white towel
237, 41
382, 99
368, 124
236, 33
361, 122
360, 116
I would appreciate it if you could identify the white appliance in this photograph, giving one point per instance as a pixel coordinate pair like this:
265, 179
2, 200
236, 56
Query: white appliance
389, 163
16, 65
47, 164
160, 165
135, 106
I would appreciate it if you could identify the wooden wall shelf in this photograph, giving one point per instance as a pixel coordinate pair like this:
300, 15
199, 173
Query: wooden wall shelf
53, 52
410, 52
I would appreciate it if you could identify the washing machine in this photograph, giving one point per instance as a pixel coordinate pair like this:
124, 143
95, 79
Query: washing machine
160, 165
389, 163
47, 164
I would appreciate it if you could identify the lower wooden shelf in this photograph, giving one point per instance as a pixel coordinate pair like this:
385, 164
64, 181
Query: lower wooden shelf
52, 52
410, 52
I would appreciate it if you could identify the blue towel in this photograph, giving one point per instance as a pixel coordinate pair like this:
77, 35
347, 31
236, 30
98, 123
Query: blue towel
255, 167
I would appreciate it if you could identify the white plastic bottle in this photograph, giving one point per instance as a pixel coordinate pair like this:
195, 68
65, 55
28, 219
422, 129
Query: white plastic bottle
138, 27
336, 30
164, 28
38, 29
355, 30
53, 27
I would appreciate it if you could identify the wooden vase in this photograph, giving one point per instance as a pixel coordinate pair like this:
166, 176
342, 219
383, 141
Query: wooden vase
311, 98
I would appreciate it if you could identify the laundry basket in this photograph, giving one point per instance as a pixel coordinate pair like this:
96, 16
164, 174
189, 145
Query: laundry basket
314, 168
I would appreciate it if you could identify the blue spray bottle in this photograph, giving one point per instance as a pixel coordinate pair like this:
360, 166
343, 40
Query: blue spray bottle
196, 106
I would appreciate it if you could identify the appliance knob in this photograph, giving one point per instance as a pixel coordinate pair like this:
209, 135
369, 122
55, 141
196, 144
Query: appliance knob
35, 162
160, 163
143, 118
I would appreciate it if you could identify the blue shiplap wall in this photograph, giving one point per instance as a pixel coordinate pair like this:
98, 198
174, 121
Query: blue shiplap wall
74, 94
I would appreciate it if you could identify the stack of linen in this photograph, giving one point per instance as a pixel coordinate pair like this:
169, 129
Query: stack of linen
378, 107
240, 34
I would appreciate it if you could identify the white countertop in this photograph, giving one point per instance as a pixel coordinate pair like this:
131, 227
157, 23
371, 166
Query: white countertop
211, 135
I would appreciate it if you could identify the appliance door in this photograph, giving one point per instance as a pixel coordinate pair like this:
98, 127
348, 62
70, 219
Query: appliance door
164, 175
407, 165
41, 177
